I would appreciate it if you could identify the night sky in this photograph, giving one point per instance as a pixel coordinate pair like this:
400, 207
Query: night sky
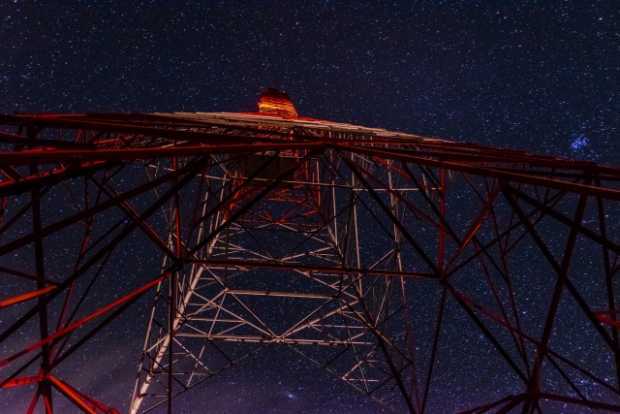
538, 75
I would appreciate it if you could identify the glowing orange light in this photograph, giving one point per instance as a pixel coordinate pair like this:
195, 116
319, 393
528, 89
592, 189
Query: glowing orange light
25, 296
275, 102
21, 381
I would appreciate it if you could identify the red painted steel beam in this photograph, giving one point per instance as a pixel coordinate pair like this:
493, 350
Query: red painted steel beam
83, 321
562, 277
469, 309
596, 237
24, 141
44, 388
506, 324
102, 252
607, 319
49, 177
609, 283
520, 176
54, 227
121, 303
86, 404
131, 154
434, 347
544, 249
72, 394
23, 381
141, 124
177, 264
488, 163
505, 233
131, 212
83, 122
392, 217
14, 300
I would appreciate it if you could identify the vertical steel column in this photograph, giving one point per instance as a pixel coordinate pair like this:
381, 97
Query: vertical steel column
44, 388
173, 290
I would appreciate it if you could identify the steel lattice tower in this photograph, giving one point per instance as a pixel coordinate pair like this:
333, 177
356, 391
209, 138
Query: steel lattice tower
344, 233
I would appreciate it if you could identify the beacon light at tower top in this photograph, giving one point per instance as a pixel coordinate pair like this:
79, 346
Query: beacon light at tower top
273, 101
277, 110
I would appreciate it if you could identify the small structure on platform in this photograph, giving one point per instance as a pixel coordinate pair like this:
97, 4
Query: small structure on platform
275, 102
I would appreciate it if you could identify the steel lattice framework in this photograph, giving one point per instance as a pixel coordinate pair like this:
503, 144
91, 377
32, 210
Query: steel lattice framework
344, 233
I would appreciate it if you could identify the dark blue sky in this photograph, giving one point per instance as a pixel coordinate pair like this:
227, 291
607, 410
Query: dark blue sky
537, 75
527, 74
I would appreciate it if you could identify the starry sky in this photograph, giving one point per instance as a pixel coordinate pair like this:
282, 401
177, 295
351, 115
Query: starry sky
535, 75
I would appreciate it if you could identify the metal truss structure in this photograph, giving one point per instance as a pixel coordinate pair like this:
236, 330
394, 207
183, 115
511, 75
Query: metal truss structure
372, 254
